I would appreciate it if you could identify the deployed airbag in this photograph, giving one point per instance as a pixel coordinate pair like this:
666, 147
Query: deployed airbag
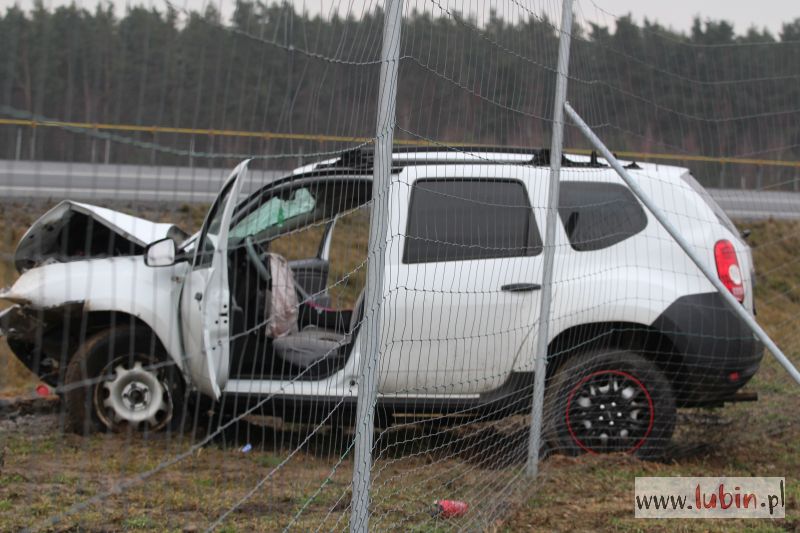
274, 213
284, 307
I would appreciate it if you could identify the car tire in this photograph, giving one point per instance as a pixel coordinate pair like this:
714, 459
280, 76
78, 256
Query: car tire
609, 401
120, 379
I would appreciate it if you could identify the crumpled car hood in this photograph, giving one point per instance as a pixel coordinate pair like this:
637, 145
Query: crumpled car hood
74, 231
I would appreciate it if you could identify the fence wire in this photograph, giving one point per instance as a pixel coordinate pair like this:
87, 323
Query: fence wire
187, 336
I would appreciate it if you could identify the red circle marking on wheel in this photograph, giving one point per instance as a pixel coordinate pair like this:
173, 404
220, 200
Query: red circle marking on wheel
618, 373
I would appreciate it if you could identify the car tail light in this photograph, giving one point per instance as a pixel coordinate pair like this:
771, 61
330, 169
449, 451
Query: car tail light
728, 268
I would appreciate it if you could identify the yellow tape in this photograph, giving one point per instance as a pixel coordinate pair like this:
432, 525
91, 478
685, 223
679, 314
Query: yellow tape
267, 135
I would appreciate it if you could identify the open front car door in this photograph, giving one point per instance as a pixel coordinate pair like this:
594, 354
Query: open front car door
205, 299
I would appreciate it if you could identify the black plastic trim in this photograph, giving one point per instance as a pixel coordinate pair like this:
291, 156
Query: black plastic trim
713, 342
513, 397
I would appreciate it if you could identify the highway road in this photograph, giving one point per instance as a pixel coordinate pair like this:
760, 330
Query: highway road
101, 183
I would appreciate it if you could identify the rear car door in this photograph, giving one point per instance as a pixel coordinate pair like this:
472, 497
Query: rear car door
463, 280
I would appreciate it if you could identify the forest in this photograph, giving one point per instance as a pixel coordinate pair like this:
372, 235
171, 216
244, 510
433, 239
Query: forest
270, 68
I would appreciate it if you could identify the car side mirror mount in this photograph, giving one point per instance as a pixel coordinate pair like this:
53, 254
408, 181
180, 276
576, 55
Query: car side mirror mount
162, 252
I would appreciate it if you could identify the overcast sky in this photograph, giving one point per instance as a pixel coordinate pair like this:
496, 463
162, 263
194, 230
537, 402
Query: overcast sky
677, 14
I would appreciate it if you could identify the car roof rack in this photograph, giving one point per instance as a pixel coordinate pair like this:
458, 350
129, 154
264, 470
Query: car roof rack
363, 158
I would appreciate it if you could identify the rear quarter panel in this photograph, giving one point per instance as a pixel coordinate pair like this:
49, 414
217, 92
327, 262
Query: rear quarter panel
639, 278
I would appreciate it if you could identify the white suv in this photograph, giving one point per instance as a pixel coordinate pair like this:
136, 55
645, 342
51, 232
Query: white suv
125, 329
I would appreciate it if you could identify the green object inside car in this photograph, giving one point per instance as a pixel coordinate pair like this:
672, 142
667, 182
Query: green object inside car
274, 213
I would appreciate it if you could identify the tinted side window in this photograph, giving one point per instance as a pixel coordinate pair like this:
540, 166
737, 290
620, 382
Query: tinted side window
599, 215
458, 220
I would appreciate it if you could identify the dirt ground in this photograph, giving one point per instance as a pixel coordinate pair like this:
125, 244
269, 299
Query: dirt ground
299, 477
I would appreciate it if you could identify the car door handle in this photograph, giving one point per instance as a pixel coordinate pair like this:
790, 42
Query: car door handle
521, 287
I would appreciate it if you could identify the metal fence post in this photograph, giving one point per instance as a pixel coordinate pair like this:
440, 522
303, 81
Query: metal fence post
556, 147
379, 219
732, 302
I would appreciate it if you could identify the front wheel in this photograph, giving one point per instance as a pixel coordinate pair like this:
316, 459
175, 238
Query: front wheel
121, 380
609, 401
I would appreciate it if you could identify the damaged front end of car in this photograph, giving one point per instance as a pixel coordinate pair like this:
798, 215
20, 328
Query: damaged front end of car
42, 338
74, 265
73, 231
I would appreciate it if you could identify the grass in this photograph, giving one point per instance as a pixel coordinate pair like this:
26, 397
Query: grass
15, 379
45, 472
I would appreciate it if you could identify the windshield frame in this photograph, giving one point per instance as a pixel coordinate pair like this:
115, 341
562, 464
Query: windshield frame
217, 208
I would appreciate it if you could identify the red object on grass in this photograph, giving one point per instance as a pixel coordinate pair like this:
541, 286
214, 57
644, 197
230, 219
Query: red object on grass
43, 390
450, 508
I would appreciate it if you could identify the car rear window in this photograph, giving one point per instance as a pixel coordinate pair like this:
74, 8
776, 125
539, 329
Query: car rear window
459, 220
598, 215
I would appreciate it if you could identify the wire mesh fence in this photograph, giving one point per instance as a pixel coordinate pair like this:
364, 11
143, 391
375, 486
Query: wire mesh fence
278, 266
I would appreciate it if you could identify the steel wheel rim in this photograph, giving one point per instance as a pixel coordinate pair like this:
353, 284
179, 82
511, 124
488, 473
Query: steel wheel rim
132, 396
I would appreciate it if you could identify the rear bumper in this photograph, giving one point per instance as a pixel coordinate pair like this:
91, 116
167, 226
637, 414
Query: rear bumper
717, 352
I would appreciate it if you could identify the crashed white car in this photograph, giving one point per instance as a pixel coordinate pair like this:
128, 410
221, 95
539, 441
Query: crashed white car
127, 317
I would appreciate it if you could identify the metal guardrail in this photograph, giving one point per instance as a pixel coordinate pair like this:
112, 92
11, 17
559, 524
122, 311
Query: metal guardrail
100, 182
269, 135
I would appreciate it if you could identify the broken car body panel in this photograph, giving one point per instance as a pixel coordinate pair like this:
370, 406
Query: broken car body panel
82, 260
151, 295
73, 230
44, 355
